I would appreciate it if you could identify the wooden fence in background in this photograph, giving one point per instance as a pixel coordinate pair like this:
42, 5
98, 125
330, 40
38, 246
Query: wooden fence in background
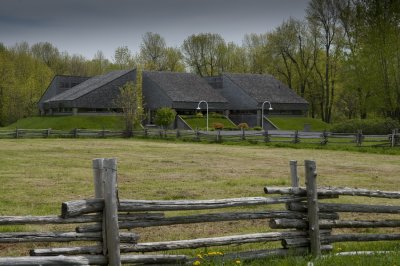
322, 138
107, 222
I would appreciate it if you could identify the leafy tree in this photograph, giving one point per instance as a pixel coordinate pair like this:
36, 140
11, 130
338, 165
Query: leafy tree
164, 117
174, 60
99, 64
127, 100
204, 53
323, 16
123, 58
47, 53
255, 45
153, 51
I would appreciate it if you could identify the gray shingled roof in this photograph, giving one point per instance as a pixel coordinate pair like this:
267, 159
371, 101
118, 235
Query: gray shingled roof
88, 86
184, 87
265, 87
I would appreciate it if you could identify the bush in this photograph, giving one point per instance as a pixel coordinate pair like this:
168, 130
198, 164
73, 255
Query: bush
199, 114
257, 128
218, 126
243, 126
164, 117
368, 126
216, 115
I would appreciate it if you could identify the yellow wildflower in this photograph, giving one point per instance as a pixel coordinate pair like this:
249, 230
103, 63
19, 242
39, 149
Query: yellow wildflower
199, 256
196, 262
238, 262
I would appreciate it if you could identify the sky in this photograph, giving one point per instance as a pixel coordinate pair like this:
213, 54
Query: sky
86, 26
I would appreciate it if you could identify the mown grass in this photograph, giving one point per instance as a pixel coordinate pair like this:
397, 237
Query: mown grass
201, 122
38, 174
69, 122
297, 123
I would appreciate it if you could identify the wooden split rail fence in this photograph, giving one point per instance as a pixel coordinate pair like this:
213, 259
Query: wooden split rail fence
323, 138
107, 223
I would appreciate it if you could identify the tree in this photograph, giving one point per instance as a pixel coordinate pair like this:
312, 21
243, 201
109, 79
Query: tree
323, 16
164, 117
153, 51
99, 64
123, 58
130, 100
235, 59
255, 45
204, 53
174, 60
47, 53
293, 42
127, 100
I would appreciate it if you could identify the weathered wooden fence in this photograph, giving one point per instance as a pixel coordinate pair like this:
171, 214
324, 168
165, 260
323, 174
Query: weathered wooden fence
106, 222
323, 138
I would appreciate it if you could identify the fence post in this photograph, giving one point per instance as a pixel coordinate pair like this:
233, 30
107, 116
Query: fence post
111, 211
394, 138
197, 133
146, 133
359, 137
296, 138
178, 134
16, 133
98, 176
219, 139
324, 138
266, 136
312, 207
75, 132
293, 173
243, 137
48, 132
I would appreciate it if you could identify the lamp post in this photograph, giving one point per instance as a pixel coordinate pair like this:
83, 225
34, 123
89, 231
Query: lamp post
262, 112
198, 108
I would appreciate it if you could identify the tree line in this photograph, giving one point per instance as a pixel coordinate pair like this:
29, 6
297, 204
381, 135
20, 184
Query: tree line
343, 58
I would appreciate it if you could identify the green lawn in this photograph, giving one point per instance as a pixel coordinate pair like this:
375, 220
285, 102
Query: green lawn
201, 122
38, 174
297, 123
69, 122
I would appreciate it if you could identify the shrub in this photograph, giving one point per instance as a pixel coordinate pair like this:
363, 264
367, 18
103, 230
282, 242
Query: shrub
164, 117
216, 115
368, 126
257, 128
199, 114
218, 126
243, 126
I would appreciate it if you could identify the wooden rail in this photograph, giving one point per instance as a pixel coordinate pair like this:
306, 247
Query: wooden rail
295, 137
309, 225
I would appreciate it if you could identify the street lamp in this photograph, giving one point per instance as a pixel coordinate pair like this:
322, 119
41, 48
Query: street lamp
198, 108
262, 112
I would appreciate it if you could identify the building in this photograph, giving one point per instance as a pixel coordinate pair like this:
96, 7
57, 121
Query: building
240, 96
180, 91
58, 85
246, 94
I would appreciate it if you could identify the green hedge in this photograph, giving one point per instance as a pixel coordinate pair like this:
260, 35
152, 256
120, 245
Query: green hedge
368, 126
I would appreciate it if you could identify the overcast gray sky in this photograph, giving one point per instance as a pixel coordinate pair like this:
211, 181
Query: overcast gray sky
86, 26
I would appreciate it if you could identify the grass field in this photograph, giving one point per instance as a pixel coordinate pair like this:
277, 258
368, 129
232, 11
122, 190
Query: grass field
297, 123
201, 122
36, 175
69, 122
